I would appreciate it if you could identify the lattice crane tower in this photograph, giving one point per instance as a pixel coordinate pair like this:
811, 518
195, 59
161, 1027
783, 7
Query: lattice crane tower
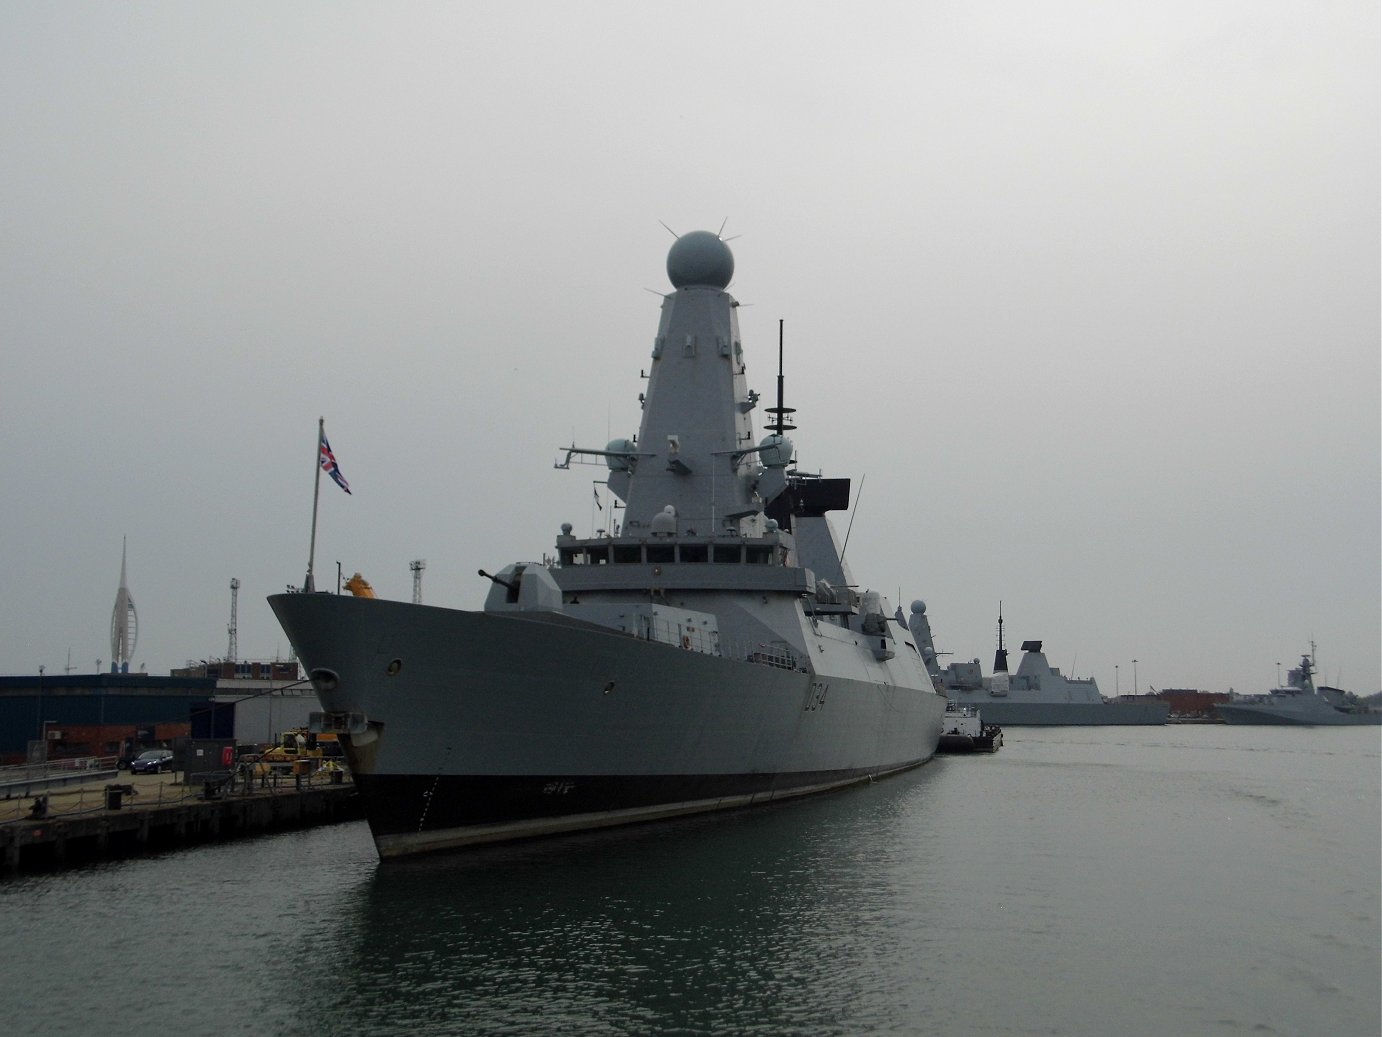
234, 648
417, 566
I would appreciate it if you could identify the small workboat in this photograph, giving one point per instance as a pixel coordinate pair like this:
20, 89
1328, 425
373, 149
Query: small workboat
965, 732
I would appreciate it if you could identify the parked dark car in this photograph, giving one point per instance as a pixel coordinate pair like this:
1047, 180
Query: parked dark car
151, 761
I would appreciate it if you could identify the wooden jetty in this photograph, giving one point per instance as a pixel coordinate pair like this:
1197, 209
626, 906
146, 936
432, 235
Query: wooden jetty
148, 813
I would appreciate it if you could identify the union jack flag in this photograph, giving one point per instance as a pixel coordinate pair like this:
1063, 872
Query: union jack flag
329, 465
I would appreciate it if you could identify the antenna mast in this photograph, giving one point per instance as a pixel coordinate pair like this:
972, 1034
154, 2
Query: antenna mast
417, 565
779, 422
1000, 658
234, 648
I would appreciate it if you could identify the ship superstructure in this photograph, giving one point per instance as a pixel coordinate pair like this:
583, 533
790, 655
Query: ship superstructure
712, 651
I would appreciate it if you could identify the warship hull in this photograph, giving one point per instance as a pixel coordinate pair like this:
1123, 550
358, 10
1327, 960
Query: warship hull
1074, 714
1281, 716
471, 727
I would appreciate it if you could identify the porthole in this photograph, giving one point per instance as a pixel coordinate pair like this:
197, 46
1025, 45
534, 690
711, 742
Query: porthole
394, 666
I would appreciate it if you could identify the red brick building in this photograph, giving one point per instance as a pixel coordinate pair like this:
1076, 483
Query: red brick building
1191, 703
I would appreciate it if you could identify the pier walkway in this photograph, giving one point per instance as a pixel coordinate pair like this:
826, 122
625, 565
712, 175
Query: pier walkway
137, 813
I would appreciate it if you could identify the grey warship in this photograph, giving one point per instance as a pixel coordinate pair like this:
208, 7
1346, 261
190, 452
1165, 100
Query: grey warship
1300, 703
1037, 695
713, 652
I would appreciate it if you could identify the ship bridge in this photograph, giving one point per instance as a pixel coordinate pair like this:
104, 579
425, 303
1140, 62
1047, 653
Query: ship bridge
687, 562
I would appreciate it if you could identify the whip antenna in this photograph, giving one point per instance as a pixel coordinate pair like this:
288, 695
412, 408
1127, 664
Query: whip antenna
853, 511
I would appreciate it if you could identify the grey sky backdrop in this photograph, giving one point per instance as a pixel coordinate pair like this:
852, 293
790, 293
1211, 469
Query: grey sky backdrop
1084, 296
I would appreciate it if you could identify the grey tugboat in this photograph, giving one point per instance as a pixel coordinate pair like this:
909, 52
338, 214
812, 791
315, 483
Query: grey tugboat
713, 652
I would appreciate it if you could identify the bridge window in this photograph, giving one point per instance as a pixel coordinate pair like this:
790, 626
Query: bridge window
727, 553
626, 554
694, 552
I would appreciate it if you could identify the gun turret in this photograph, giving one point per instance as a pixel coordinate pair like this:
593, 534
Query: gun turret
500, 580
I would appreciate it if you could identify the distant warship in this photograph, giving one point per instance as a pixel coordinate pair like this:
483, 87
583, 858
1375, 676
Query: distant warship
714, 652
1037, 695
1300, 702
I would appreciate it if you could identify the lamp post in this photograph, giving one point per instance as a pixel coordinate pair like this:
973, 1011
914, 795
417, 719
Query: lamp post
1117, 687
42, 727
1134, 678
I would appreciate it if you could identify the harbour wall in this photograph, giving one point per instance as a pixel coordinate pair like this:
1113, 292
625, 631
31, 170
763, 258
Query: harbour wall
117, 829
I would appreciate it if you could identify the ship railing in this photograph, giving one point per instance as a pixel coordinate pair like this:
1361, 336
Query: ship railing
680, 635
770, 654
709, 642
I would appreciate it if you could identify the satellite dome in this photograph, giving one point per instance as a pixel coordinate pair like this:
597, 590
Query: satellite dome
700, 259
625, 450
665, 522
775, 451
919, 607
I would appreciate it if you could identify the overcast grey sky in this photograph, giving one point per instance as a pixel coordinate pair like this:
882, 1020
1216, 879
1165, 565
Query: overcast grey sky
1086, 294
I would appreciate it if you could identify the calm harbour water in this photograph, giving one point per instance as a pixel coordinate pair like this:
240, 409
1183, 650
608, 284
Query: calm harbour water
1178, 880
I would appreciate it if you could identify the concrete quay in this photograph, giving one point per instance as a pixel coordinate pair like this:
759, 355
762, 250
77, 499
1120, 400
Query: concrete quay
150, 813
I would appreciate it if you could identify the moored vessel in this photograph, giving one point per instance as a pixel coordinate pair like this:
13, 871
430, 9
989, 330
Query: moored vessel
713, 651
964, 731
1038, 694
1300, 703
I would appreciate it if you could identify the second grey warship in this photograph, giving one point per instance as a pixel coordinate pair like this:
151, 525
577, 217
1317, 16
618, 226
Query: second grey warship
1037, 695
1300, 703
715, 651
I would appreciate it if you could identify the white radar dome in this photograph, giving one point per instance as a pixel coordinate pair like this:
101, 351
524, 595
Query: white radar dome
698, 259
619, 446
665, 521
775, 451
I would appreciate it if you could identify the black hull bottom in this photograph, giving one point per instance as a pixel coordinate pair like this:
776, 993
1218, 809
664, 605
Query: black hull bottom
968, 744
411, 814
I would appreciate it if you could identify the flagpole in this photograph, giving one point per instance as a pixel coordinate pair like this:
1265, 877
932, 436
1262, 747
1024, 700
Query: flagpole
308, 586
